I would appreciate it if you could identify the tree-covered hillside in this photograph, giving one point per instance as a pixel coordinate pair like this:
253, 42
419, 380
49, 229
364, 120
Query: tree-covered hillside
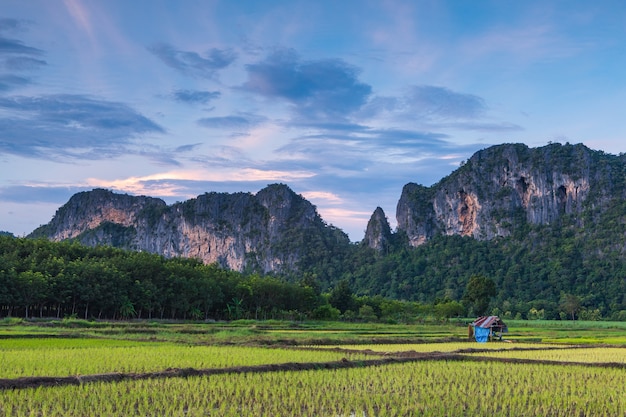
535, 270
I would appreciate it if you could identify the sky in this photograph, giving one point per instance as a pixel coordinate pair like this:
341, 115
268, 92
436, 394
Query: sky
343, 101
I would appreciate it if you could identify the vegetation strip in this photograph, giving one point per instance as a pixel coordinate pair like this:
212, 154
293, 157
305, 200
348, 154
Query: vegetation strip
35, 382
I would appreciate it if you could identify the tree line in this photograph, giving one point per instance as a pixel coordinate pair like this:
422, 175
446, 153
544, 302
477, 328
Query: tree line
39, 278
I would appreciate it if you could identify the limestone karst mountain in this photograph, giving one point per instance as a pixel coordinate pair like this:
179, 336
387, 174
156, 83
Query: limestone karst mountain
501, 188
271, 230
497, 191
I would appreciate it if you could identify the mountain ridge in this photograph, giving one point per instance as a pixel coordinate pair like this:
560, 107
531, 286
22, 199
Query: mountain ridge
239, 231
499, 190
546, 224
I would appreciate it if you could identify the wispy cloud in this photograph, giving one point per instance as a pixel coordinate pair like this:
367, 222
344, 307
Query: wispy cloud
195, 96
80, 14
318, 89
184, 183
326, 196
427, 103
38, 193
192, 63
14, 46
16, 57
23, 63
69, 126
526, 43
9, 82
8, 24
440, 102
230, 123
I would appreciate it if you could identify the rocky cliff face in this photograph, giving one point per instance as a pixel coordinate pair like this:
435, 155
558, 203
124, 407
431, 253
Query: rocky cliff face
497, 191
505, 186
264, 232
378, 233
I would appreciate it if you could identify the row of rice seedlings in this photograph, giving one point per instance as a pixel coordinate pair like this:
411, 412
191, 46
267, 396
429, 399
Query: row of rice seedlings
441, 347
63, 343
410, 389
147, 358
589, 340
582, 355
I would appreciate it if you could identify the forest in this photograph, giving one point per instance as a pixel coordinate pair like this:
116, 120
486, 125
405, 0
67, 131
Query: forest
39, 278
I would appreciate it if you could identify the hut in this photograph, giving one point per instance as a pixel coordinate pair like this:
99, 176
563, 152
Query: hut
487, 328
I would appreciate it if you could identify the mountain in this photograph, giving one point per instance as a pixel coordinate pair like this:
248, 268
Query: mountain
378, 233
271, 231
544, 223
501, 189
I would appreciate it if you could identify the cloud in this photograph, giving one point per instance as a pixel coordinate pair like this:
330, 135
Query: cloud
9, 24
14, 46
319, 89
326, 196
374, 158
481, 126
241, 122
192, 63
186, 183
427, 103
14, 49
23, 63
38, 193
66, 125
9, 82
441, 102
195, 96
362, 150
329, 126
15, 56
187, 148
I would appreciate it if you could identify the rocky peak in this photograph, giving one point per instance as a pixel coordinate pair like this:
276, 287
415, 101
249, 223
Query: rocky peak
87, 210
378, 233
285, 207
270, 231
504, 186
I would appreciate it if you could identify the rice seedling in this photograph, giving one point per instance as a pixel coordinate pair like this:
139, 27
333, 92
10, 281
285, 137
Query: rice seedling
410, 389
581, 355
441, 347
64, 357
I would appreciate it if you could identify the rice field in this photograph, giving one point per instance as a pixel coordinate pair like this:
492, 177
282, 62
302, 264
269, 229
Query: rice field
451, 378
64, 357
412, 389
580, 355
441, 347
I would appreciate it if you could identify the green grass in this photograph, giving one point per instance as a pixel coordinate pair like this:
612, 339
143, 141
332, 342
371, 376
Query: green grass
307, 333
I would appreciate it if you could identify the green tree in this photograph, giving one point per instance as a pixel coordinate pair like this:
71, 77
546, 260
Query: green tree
478, 294
449, 309
341, 297
570, 304
127, 309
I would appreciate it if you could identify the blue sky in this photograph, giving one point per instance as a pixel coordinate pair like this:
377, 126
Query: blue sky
344, 101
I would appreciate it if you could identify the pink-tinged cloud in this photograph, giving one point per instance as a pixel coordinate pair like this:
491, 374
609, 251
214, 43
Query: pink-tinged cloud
166, 184
80, 15
325, 196
347, 219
